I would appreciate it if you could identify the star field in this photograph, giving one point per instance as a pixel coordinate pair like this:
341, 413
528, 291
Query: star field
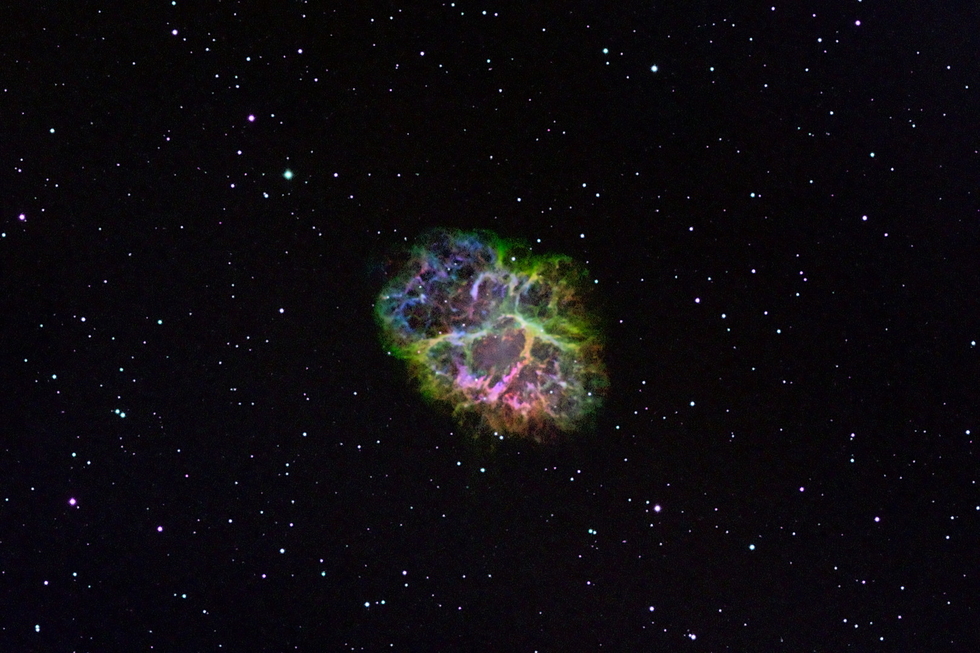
205, 445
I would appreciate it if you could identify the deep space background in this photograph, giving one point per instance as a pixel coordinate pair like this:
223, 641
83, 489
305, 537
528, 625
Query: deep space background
204, 447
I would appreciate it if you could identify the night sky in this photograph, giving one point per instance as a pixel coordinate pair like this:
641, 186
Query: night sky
204, 445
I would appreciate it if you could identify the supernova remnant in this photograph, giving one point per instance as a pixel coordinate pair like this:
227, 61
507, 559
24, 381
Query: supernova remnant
501, 335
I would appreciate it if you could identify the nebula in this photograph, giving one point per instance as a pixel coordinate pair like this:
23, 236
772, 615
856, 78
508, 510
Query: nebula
499, 334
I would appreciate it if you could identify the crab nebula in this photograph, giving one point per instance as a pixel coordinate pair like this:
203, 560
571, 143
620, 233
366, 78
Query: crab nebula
502, 336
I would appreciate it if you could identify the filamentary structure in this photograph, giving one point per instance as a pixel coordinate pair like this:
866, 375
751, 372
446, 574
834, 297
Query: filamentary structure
498, 334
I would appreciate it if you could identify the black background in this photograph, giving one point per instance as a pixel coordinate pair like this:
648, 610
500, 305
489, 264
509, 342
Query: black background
782, 223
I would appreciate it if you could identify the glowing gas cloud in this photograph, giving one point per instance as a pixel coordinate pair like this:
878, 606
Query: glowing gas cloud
501, 335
